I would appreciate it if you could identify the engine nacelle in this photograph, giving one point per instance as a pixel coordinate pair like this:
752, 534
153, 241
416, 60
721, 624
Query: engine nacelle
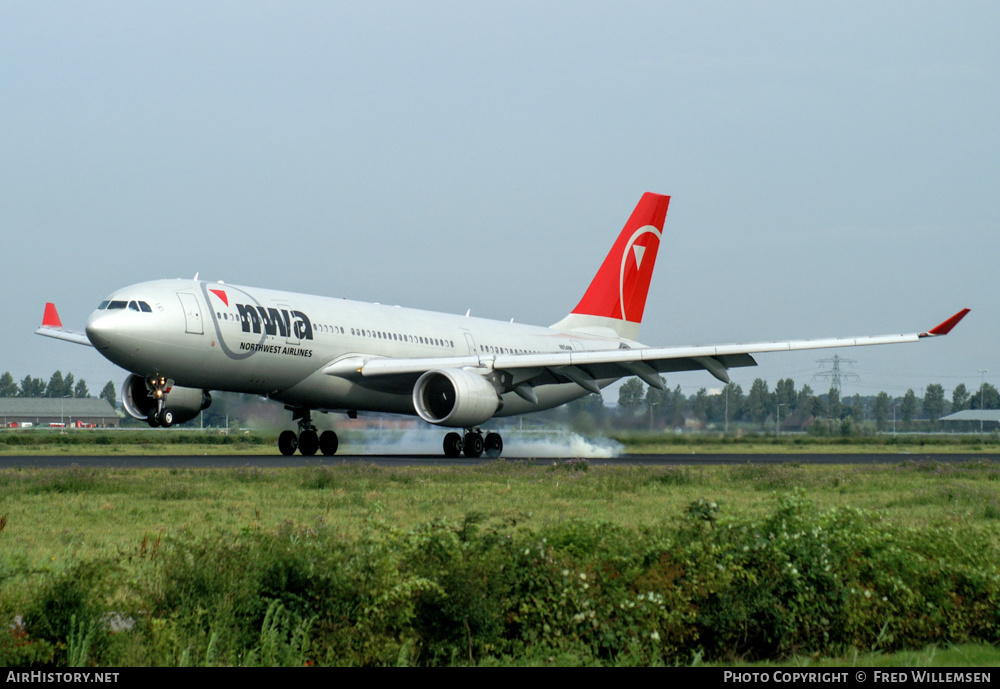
455, 397
185, 403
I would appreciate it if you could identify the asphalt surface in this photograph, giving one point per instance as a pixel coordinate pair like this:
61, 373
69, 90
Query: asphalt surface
279, 461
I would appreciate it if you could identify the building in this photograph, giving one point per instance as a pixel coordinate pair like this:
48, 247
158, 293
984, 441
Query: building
49, 412
975, 416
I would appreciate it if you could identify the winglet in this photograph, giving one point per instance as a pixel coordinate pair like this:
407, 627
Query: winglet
51, 317
53, 327
945, 327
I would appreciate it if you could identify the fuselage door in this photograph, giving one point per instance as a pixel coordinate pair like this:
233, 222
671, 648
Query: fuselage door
472, 346
192, 313
291, 338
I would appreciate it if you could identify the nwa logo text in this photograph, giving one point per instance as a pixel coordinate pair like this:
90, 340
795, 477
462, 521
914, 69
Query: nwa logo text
257, 319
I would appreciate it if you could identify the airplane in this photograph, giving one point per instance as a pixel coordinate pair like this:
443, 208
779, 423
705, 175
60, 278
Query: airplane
180, 339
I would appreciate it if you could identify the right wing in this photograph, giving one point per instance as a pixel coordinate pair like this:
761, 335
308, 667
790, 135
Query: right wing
522, 372
52, 327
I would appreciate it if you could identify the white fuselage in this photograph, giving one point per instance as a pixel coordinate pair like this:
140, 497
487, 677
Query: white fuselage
226, 337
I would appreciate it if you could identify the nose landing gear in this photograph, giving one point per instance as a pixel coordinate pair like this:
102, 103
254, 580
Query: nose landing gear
159, 415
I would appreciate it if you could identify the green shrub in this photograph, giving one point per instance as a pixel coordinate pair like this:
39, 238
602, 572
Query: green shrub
799, 581
67, 614
705, 584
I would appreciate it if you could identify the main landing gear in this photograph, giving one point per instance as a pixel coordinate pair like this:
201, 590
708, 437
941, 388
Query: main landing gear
307, 441
473, 444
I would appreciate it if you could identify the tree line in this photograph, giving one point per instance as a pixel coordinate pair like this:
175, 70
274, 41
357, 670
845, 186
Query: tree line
642, 406
787, 405
58, 386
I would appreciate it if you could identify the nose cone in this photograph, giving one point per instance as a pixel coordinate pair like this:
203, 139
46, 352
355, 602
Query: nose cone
100, 329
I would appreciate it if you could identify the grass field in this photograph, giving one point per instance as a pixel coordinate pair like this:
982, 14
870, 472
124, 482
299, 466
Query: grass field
179, 441
99, 512
53, 522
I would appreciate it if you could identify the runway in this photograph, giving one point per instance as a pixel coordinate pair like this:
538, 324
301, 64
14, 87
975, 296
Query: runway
278, 461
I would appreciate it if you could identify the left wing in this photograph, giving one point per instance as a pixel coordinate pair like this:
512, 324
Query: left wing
52, 327
521, 372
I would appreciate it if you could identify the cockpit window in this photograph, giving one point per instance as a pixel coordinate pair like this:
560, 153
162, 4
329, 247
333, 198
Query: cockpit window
134, 305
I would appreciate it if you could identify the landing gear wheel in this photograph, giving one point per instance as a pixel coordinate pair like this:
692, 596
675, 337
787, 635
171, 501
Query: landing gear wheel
288, 443
328, 443
308, 443
493, 445
473, 445
158, 415
452, 445
165, 417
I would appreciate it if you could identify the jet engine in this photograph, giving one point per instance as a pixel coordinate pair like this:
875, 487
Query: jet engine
455, 397
185, 403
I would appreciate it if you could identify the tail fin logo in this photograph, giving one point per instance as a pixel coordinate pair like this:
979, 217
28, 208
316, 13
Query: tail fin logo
638, 251
620, 294
633, 281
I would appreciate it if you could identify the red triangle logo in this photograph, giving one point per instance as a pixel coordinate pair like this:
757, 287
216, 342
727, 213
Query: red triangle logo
221, 295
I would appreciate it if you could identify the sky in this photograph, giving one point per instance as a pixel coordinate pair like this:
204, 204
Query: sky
834, 167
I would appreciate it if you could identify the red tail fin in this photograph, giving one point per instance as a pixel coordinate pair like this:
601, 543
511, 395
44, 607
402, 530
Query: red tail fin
616, 297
